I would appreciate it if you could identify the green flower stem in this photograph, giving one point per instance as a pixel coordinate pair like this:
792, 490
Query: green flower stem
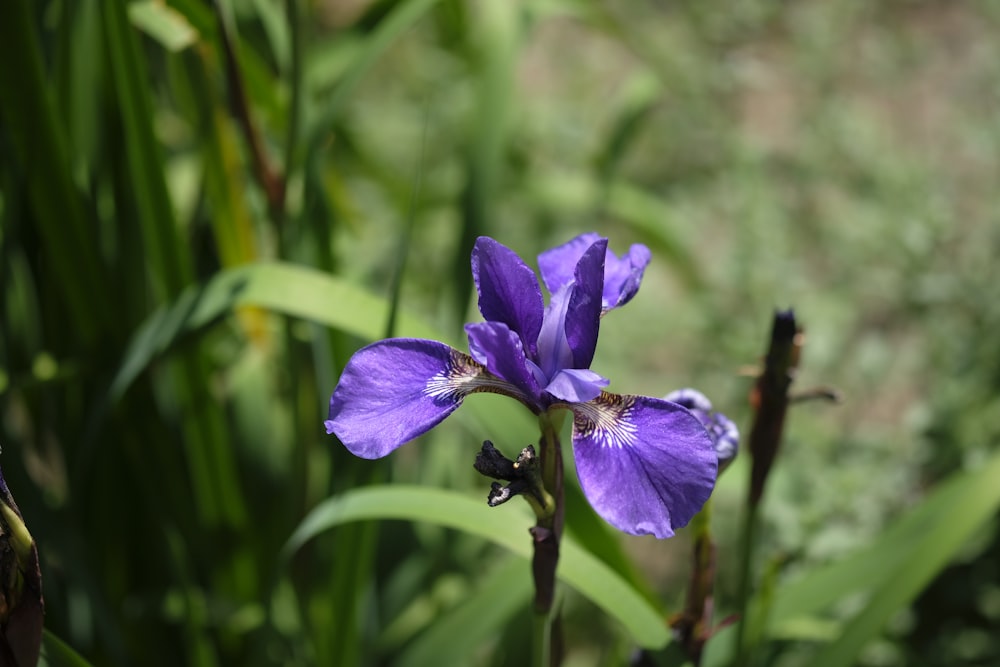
693, 626
743, 591
547, 533
540, 644
702, 582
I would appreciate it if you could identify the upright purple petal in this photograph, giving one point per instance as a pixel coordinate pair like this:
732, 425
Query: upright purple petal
553, 350
508, 290
646, 465
583, 314
558, 265
498, 348
395, 390
623, 276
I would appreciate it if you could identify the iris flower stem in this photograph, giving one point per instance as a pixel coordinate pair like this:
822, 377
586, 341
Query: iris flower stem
540, 641
547, 533
743, 591
770, 399
698, 609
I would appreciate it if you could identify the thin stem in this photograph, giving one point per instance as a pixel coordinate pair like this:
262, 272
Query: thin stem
295, 76
770, 398
540, 640
698, 609
747, 539
693, 626
547, 533
267, 175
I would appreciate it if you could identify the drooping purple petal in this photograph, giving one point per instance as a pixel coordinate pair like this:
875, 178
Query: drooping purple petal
692, 399
623, 276
725, 436
646, 465
558, 265
583, 314
576, 385
498, 348
508, 290
723, 432
395, 390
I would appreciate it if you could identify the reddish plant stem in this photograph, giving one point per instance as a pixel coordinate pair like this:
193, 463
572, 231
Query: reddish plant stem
266, 173
548, 531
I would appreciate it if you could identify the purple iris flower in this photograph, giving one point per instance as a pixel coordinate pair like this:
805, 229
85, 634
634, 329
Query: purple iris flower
646, 465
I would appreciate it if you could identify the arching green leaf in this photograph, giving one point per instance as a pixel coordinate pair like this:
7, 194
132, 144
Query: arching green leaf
505, 527
282, 288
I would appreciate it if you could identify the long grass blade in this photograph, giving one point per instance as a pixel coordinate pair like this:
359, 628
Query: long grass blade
211, 460
40, 143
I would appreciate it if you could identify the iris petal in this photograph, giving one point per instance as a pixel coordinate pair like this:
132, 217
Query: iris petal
583, 314
554, 352
576, 385
498, 348
623, 276
646, 465
508, 290
725, 436
723, 432
692, 399
558, 265
395, 390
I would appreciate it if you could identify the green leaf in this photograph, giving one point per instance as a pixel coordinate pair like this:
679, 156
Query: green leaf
261, 85
891, 571
317, 297
163, 23
57, 653
453, 637
505, 527
949, 526
600, 539
36, 132
171, 266
401, 18
277, 29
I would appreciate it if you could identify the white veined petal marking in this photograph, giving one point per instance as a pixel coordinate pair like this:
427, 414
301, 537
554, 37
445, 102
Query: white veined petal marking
606, 419
463, 376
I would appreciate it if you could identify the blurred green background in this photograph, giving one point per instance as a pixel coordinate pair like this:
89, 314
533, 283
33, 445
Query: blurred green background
320, 169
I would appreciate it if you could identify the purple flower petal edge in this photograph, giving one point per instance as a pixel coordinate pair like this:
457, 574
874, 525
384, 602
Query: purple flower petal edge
723, 432
395, 390
498, 348
508, 290
647, 466
583, 314
558, 265
622, 277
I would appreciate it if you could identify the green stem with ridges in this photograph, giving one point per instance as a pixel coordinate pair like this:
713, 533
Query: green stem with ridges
547, 533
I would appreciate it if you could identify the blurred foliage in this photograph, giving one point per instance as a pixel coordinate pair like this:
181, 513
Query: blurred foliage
204, 210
